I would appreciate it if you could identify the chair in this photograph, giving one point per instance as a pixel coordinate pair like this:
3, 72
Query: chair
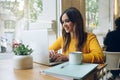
112, 60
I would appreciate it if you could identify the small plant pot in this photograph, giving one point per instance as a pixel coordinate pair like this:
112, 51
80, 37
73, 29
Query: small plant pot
23, 61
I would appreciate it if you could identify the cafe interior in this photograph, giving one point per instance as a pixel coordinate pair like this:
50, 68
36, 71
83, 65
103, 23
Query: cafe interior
17, 16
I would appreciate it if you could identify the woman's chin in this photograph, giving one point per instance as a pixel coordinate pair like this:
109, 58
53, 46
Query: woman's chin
67, 31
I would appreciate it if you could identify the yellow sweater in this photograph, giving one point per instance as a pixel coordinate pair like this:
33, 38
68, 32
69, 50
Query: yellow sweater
92, 52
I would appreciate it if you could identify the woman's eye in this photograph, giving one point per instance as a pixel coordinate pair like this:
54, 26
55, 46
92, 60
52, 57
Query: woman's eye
67, 20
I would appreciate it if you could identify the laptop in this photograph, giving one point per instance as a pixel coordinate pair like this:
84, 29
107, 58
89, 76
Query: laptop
38, 40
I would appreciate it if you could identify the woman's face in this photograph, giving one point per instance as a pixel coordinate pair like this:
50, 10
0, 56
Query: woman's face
67, 24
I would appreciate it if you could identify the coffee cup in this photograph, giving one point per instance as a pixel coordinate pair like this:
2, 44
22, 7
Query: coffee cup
75, 58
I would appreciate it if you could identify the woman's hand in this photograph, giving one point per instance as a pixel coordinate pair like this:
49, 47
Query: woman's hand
62, 58
54, 56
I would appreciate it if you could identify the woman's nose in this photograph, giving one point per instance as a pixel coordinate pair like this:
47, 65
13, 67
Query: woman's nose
64, 24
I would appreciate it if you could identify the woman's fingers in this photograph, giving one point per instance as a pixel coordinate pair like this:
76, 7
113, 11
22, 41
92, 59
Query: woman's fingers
58, 59
53, 55
62, 58
50, 53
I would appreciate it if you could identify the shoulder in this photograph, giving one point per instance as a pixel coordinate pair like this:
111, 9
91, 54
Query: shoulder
91, 35
60, 38
111, 33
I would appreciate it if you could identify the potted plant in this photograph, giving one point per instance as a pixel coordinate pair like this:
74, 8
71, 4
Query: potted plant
22, 57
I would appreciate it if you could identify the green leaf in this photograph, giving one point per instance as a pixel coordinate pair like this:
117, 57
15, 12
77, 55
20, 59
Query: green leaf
23, 50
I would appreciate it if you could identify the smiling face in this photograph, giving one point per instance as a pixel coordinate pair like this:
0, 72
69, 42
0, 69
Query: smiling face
67, 24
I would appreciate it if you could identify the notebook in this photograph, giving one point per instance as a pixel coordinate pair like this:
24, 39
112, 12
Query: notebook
71, 71
38, 41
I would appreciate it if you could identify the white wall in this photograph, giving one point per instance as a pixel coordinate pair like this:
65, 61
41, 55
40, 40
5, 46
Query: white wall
105, 18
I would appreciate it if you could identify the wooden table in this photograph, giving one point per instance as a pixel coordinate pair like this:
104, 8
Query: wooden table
7, 72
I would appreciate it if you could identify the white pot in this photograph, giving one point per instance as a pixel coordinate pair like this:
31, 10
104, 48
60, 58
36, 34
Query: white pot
23, 61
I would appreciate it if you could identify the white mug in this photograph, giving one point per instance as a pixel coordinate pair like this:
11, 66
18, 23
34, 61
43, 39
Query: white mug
75, 58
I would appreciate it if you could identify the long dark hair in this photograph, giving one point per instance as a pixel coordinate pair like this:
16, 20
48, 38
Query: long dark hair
75, 17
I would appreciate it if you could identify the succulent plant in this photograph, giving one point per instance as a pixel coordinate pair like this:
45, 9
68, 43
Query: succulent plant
22, 49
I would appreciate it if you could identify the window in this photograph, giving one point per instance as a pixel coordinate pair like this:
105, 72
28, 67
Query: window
40, 12
18, 14
9, 25
36, 9
10, 12
91, 14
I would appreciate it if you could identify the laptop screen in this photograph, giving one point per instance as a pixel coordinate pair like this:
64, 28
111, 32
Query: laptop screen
38, 41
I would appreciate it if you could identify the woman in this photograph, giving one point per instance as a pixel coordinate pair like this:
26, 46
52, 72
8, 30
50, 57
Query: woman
74, 38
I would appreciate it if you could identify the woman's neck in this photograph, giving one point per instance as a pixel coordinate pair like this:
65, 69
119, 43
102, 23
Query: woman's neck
72, 34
